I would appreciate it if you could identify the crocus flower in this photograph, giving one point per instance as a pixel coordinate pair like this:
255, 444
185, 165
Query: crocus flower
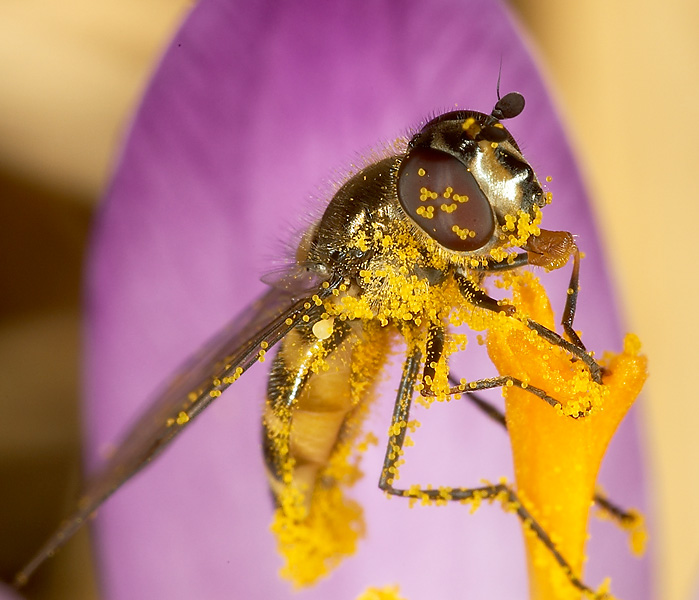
254, 112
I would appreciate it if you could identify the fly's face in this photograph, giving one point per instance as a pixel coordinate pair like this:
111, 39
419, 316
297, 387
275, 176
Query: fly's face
466, 185
454, 202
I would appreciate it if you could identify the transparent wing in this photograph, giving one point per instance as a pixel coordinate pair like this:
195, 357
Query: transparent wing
199, 382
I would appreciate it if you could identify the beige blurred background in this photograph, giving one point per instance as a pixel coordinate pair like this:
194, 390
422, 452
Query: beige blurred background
70, 75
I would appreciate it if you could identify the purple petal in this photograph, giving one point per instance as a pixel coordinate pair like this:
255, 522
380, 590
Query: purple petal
253, 106
8, 594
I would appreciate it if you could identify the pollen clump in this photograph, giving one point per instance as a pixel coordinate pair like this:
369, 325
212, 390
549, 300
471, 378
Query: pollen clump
557, 457
313, 544
316, 524
391, 592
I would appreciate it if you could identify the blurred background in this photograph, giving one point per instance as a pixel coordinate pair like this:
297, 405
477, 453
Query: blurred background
71, 76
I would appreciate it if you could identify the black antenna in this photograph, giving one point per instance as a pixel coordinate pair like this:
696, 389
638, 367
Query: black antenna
510, 105
497, 88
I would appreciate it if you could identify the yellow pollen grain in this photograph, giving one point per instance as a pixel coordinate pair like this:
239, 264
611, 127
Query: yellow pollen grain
468, 123
421, 172
427, 212
463, 233
182, 418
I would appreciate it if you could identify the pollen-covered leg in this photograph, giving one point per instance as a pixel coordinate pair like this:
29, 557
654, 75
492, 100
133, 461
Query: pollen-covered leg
551, 250
627, 519
500, 492
434, 350
489, 383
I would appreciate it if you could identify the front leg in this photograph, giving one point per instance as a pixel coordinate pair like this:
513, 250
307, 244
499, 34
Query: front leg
434, 349
500, 492
477, 296
628, 519
551, 250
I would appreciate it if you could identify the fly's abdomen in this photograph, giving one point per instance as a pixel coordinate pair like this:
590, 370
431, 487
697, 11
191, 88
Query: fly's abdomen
315, 403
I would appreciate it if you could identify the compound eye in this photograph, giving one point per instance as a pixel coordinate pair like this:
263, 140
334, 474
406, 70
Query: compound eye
439, 193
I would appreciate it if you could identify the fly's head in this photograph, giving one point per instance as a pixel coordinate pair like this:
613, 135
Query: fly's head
466, 186
458, 197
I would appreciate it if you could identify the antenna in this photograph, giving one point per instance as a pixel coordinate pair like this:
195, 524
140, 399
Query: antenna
497, 88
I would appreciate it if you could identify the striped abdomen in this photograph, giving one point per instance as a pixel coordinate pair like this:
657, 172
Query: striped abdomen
315, 400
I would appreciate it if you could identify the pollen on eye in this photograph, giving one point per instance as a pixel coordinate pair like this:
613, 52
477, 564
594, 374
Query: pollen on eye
426, 212
421, 172
463, 233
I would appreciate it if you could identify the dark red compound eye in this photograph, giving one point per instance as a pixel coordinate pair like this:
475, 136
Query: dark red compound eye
442, 197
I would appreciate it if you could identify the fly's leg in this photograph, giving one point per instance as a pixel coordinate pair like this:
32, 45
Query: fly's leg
572, 301
434, 348
624, 518
478, 297
551, 250
501, 492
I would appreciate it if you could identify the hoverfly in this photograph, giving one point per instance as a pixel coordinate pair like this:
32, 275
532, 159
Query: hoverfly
403, 244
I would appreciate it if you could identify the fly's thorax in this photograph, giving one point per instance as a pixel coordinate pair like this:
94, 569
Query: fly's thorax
342, 241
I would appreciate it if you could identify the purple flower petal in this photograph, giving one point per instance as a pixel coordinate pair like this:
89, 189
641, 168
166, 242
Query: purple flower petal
253, 106
7, 594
